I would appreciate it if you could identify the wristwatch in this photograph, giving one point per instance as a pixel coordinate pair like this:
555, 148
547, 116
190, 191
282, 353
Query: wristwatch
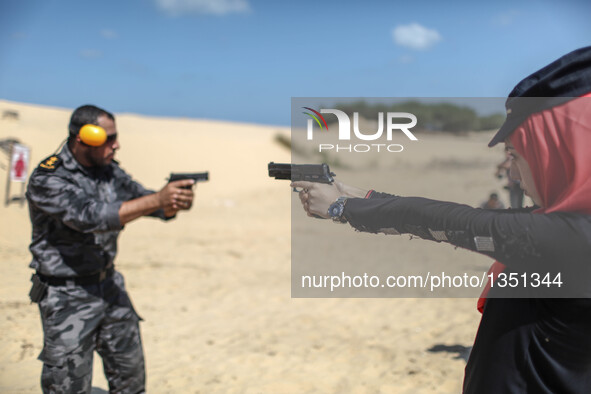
336, 209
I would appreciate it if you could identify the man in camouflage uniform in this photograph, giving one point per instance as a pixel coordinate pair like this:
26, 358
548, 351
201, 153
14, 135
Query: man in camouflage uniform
79, 201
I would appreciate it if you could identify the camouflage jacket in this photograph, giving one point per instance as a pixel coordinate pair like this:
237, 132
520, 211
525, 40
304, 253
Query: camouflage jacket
74, 213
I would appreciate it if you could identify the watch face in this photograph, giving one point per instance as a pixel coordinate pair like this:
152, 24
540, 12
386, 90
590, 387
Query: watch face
335, 210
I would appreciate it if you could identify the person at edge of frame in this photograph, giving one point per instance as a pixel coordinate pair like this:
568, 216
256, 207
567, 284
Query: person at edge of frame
79, 201
532, 339
512, 186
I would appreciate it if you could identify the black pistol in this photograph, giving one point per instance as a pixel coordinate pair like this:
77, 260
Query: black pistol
195, 176
319, 173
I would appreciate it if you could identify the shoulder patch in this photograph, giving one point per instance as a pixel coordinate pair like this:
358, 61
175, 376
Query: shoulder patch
50, 164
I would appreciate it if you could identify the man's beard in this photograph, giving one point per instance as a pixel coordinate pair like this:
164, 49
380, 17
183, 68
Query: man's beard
99, 162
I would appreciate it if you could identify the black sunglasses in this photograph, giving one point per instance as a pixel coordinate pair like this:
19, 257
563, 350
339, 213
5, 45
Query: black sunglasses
111, 138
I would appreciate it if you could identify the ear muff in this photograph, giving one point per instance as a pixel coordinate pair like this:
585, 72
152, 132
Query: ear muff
93, 135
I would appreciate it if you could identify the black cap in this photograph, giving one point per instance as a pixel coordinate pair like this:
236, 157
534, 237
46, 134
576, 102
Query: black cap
562, 80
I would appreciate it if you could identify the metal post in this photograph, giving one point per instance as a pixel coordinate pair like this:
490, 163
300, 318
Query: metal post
7, 197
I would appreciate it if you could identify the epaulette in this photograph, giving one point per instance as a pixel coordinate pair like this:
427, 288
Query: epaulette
50, 164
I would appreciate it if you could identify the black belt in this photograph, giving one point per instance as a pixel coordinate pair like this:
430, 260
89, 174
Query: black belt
79, 280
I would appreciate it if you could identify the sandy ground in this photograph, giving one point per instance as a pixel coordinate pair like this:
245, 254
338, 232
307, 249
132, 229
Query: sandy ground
214, 285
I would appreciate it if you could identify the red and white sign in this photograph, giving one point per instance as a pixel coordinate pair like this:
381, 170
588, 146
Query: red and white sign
19, 163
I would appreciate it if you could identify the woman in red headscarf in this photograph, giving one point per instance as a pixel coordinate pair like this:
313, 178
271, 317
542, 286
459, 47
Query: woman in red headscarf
530, 339
543, 344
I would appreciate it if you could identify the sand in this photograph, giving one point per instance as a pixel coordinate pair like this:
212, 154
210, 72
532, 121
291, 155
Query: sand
213, 286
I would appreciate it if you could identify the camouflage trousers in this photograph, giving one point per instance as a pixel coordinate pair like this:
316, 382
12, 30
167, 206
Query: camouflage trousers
77, 320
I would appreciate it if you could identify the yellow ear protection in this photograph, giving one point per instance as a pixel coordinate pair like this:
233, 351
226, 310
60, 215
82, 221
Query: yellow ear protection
92, 135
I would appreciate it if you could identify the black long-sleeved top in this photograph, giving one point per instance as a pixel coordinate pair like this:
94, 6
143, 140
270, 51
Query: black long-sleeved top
538, 344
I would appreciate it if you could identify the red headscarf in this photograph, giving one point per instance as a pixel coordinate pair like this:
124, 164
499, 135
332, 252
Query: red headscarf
556, 143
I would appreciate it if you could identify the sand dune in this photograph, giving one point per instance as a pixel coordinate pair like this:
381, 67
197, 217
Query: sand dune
214, 285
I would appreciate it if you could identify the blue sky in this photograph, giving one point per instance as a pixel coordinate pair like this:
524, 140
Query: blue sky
243, 60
